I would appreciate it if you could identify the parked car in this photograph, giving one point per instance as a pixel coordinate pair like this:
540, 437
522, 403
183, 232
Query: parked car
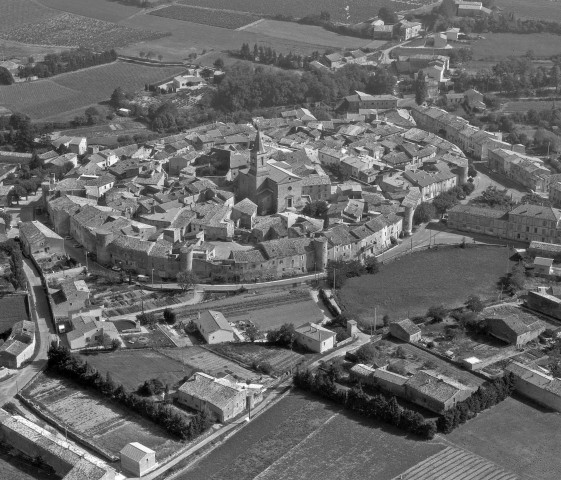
115, 268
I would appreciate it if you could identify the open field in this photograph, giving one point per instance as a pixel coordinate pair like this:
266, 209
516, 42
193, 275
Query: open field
516, 435
132, 368
13, 310
206, 16
67, 29
280, 359
542, 9
359, 10
69, 91
189, 37
200, 359
413, 283
303, 33
497, 46
103, 422
100, 9
301, 438
456, 464
20, 12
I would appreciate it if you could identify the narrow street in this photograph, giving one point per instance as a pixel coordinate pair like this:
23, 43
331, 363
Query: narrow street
41, 316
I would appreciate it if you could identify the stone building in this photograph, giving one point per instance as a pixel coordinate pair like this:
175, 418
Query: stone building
271, 185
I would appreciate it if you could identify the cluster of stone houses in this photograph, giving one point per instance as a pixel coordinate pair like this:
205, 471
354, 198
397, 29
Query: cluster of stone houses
151, 208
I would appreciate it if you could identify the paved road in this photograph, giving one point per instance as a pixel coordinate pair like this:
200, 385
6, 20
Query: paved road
41, 316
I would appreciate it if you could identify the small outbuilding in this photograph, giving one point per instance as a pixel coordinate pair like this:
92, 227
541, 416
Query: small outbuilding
405, 330
543, 266
137, 459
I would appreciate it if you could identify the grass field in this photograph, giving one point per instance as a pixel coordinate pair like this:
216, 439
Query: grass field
516, 435
301, 438
303, 33
542, 9
70, 91
200, 359
69, 30
205, 16
189, 37
280, 359
501, 45
359, 10
132, 368
13, 310
410, 285
109, 11
105, 423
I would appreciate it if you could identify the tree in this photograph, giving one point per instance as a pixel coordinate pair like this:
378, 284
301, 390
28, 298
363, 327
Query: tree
386, 320
219, 64
169, 316
316, 209
421, 88
284, 336
115, 345
425, 212
535, 199
6, 77
366, 353
186, 280
448, 8
118, 98
160, 57
372, 265
92, 115
7, 217
494, 197
252, 332
474, 303
146, 319
437, 313
388, 15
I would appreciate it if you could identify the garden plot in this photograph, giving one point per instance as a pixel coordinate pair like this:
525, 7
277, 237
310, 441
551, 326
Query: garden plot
103, 422
280, 359
202, 360
20, 12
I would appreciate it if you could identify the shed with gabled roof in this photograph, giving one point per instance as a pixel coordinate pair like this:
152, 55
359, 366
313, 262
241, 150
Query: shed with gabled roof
214, 327
405, 330
137, 459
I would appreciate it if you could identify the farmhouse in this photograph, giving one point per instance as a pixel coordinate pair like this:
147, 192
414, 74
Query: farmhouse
543, 266
434, 391
405, 330
78, 145
182, 82
360, 100
137, 459
214, 327
88, 332
536, 385
202, 391
315, 337
19, 346
514, 330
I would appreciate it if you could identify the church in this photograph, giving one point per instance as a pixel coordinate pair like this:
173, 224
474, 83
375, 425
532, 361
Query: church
270, 184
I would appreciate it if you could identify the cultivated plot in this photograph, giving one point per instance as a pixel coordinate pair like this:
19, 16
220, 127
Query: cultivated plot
20, 12
107, 10
541, 9
497, 46
202, 360
105, 423
519, 436
205, 16
301, 438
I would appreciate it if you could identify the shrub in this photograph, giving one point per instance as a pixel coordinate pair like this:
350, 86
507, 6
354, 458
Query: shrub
169, 316
366, 353
437, 313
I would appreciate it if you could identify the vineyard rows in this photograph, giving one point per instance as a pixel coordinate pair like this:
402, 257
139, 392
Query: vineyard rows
454, 464
67, 29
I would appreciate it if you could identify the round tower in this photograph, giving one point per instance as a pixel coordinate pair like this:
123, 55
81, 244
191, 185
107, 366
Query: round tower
102, 240
186, 259
320, 250
463, 174
408, 220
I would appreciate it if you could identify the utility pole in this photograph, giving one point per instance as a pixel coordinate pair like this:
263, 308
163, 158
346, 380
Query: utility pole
87, 260
375, 319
